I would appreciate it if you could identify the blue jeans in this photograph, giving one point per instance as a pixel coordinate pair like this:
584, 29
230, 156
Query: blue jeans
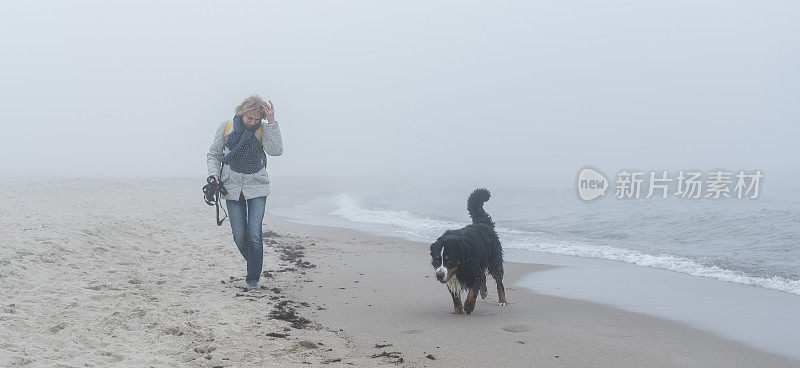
245, 218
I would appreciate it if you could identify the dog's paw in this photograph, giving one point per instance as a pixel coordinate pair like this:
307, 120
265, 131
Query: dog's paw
469, 306
502, 304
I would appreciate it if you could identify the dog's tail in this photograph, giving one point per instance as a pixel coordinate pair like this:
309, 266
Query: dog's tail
475, 207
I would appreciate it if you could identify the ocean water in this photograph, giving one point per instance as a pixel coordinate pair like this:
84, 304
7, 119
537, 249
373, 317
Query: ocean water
753, 242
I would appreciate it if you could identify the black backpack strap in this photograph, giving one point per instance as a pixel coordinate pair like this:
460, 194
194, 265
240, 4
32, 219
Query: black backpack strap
221, 189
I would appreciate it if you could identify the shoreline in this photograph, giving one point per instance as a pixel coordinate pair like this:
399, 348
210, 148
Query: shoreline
531, 332
763, 316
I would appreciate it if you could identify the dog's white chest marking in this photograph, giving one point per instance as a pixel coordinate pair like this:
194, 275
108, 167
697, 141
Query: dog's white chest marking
455, 286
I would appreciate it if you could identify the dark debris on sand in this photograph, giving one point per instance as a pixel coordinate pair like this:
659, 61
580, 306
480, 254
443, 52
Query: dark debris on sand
284, 312
278, 335
270, 234
285, 269
392, 356
293, 254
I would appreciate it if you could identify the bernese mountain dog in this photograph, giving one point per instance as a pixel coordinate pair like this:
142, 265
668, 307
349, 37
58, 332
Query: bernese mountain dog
462, 257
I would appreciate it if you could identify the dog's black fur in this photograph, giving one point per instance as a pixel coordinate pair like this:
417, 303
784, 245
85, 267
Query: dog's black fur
463, 257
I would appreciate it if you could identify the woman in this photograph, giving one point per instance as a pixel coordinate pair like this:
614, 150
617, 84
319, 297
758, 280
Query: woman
238, 148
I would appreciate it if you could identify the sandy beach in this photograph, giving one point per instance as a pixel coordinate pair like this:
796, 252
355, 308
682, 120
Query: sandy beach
142, 277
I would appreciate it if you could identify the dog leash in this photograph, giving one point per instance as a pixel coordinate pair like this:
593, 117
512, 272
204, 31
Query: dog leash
211, 193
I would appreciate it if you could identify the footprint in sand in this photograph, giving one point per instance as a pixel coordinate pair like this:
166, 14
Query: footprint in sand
176, 331
20, 361
305, 344
515, 328
114, 356
58, 327
204, 349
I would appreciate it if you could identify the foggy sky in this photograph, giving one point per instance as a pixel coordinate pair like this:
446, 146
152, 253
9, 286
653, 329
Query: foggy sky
518, 90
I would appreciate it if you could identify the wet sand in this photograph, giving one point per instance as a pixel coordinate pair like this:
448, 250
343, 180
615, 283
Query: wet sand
381, 290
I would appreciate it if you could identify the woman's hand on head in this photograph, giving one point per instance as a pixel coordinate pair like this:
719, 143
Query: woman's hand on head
269, 109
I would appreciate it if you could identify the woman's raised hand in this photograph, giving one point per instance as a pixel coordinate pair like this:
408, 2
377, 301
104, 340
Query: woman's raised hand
269, 109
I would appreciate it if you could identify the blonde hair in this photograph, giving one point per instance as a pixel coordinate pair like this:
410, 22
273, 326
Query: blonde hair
252, 104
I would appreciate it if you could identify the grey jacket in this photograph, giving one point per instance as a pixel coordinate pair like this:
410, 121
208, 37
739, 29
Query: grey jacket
252, 185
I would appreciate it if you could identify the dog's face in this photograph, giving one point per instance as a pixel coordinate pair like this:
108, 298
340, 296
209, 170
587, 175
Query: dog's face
446, 256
